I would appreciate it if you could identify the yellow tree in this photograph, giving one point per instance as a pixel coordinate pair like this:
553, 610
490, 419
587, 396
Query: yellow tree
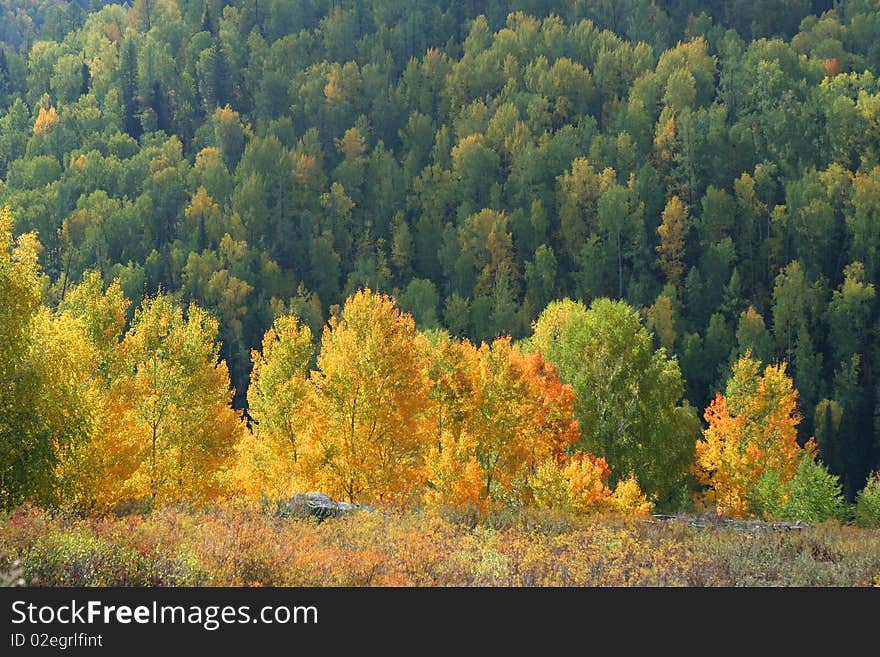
452, 366
496, 415
278, 395
579, 485
453, 475
672, 231
366, 427
173, 431
752, 430
46, 120
523, 414
91, 321
44, 378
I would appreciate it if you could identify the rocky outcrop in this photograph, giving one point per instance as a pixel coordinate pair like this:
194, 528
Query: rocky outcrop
711, 520
317, 505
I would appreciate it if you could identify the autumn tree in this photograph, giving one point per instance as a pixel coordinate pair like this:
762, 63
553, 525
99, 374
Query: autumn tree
498, 414
672, 231
47, 119
44, 368
173, 430
364, 436
477, 166
454, 476
92, 320
578, 197
578, 485
524, 414
752, 430
278, 399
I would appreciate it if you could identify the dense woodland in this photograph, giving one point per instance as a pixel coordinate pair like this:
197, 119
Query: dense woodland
667, 207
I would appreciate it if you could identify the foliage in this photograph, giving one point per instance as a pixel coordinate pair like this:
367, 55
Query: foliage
716, 168
752, 432
278, 396
628, 395
579, 486
44, 372
867, 509
811, 495
230, 546
364, 430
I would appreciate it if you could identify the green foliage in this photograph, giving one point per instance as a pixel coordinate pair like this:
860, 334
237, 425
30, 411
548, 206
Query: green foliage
867, 510
766, 497
43, 408
813, 495
628, 395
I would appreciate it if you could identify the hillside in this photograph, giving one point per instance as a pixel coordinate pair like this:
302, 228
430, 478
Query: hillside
690, 189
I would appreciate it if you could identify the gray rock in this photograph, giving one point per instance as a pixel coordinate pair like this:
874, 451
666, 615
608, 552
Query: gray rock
317, 505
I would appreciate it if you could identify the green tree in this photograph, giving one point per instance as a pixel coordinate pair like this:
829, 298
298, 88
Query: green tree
628, 395
849, 312
128, 71
619, 214
420, 299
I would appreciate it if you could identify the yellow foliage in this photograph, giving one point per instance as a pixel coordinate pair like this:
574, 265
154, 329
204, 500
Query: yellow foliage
202, 206
366, 426
578, 485
454, 475
665, 140
278, 399
585, 476
672, 232
159, 401
522, 414
751, 430
628, 498
660, 320
46, 120
352, 145
263, 467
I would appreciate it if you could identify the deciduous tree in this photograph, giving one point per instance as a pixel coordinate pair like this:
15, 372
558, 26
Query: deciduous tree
752, 430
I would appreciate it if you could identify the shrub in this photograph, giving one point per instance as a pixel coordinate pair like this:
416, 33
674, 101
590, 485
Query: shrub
579, 486
868, 503
812, 495
766, 496
233, 546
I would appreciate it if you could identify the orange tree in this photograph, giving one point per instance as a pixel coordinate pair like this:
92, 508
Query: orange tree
752, 431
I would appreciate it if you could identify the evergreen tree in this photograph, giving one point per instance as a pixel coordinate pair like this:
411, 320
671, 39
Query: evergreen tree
128, 71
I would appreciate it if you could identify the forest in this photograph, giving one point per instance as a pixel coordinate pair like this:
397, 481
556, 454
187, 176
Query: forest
586, 256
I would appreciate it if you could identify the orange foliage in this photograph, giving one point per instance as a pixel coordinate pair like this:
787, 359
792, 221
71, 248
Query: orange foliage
394, 417
500, 414
751, 430
832, 67
579, 485
522, 415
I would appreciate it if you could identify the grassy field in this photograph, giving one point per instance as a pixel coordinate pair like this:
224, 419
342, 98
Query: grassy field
226, 546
